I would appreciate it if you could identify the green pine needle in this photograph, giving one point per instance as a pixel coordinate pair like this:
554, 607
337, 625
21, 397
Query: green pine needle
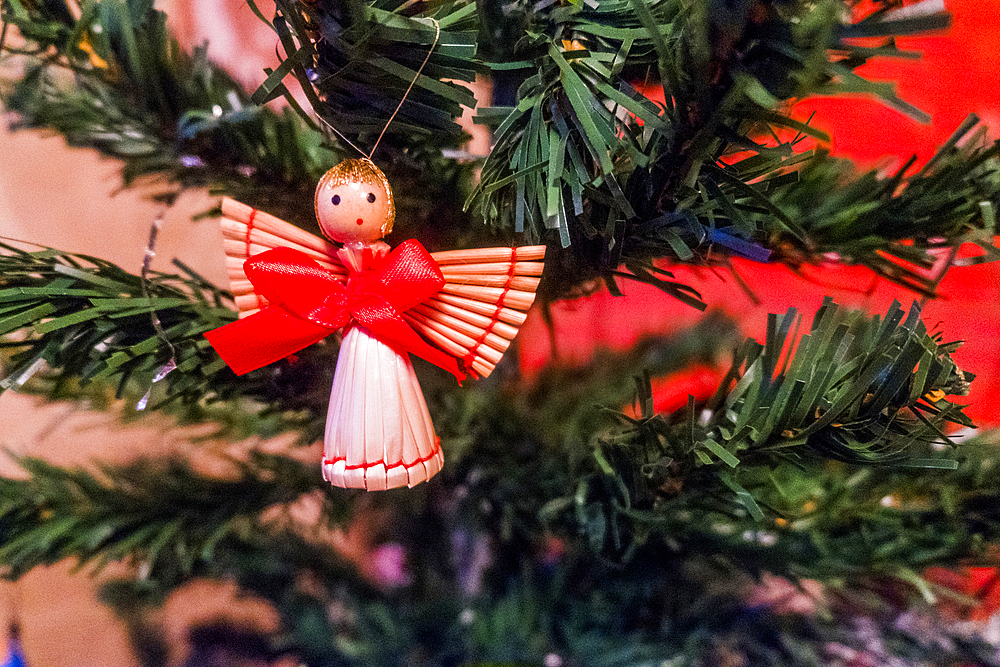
859, 390
163, 515
71, 319
115, 80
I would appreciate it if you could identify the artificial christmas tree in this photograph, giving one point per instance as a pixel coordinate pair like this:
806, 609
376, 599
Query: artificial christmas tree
571, 527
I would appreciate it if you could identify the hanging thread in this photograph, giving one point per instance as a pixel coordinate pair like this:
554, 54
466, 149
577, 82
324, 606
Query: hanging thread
406, 93
437, 36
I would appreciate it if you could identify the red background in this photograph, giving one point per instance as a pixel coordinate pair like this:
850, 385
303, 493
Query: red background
956, 77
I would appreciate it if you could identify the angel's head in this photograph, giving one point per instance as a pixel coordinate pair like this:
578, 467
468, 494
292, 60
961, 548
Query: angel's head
354, 202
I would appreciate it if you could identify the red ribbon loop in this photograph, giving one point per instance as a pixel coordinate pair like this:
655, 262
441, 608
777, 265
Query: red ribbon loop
308, 303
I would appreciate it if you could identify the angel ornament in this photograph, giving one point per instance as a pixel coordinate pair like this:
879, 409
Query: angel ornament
457, 309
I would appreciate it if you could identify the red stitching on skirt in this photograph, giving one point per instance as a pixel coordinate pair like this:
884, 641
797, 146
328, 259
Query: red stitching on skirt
437, 450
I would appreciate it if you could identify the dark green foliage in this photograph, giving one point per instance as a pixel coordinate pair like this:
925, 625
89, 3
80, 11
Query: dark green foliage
556, 530
115, 80
581, 157
681, 594
162, 515
560, 528
895, 223
356, 61
714, 172
84, 319
583, 153
862, 391
94, 320
174, 524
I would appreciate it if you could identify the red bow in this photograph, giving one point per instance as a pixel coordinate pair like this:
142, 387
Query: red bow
307, 303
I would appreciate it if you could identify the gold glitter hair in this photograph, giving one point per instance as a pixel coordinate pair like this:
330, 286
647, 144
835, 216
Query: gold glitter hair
355, 171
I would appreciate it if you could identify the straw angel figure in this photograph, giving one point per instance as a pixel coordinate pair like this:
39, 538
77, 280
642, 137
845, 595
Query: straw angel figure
457, 309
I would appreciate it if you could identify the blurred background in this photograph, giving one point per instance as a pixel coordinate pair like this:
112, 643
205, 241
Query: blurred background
73, 200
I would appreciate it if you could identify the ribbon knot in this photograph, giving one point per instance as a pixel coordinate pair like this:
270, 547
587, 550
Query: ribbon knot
337, 301
308, 303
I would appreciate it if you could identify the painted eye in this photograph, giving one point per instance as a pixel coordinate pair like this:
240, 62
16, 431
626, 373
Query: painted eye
336, 200
371, 197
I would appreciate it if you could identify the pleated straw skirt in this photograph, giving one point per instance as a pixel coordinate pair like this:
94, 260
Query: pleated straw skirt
379, 433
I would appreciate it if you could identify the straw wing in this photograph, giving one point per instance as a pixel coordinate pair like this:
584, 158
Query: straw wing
486, 297
474, 317
247, 232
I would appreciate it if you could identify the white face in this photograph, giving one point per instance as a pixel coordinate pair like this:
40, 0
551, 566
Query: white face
353, 211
